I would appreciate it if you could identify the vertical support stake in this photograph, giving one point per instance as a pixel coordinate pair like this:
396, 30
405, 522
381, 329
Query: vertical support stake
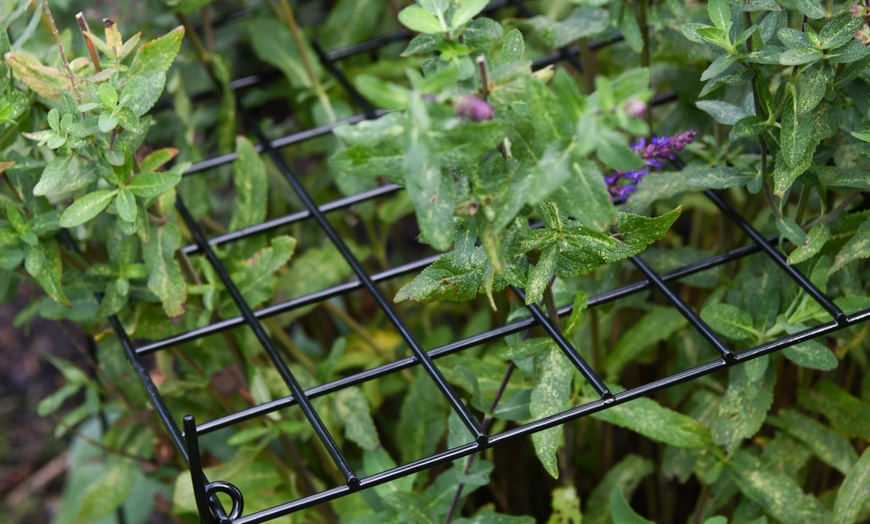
197, 477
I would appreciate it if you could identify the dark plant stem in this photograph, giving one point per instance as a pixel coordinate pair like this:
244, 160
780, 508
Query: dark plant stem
645, 59
550, 304
837, 211
484, 76
102, 447
703, 499
207, 29
83, 25
802, 204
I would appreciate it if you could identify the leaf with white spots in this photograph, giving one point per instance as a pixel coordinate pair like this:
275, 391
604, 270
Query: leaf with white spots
550, 395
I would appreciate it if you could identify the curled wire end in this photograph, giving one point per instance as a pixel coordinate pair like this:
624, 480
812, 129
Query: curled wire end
231, 491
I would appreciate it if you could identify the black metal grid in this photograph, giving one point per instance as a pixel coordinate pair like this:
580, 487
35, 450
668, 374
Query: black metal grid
186, 437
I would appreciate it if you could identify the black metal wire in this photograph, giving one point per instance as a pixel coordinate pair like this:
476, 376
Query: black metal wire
188, 441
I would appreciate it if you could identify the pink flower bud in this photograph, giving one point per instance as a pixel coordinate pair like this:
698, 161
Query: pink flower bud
474, 109
635, 107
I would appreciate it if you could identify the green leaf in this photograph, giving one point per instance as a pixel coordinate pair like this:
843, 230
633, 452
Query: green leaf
107, 121
422, 420
49, 82
513, 48
550, 395
467, 10
799, 56
273, 43
621, 510
165, 279
814, 82
87, 207
777, 493
156, 159
628, 474
614, 151
540, 274
372, 161
251, 184
125, 205
108, 96
858, 247
720, 13
812, 354
152, 184
353, 413
488, 517
583, 22
854, 492
255, 276
838, 30
566, 506
382, 93
795, 135
729, 321
581, 301
584, 196
54, 401
847, 413
719, 66
55, 177
157, 55
826, 443
430, 190
657, 325
418, 19
722, 112
791, 230
747, 127
666, 184
458, 276
110, 490
525, 348
648, 418
143, 92
743, 408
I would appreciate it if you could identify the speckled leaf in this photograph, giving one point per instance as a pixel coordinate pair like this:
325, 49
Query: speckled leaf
566, 506
847, 413
372, 161
799, 56
813, 243
52, 271
54, 178
652, 420
810, 353
578, 310
720, 13
467, 10
729, 321
550, 396
583, 22
165, 279
743, 408
827, 444
49, 82
628, 474
665, 184
110, 490
854, 492
157, 55
838, 30
87, 207
814, 84
152, 184
125, 206
513, 48
722, 112
353, 412
255, 276
621, 510
795, 135
657, 325
857, 247
251, 184
540, 274
777, 493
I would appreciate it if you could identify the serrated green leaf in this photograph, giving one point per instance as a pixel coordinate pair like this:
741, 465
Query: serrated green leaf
743, 408
650, 419
251, 185
352, 410
795, 135
125, 205
143, 92
467, 10
273, 43
418, 19
847, 413
854, 492
550, 395
152, 184
540, 274
811, 354
165, 279
657, 325
729, 321
87, 207
827, 444
666, 184
858, 247
722, 112
621, 510
720, 13
157, 55
777, 493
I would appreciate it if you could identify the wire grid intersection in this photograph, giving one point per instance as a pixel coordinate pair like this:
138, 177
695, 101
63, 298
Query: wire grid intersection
186, 438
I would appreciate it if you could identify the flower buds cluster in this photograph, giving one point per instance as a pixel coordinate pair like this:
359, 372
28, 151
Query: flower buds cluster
623, 183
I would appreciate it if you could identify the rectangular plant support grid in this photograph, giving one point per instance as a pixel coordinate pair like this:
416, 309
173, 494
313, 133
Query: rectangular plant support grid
186, 438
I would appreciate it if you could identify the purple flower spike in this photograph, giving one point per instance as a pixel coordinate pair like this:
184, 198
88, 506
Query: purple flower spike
474, 109
623, 183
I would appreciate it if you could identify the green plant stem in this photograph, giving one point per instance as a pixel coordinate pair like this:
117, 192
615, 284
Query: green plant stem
72, 78
202, 54
802, 204
299, 40
836, 212
207, 29
645, 59
703, 499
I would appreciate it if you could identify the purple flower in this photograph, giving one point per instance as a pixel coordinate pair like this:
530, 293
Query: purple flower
473, 108
623, 183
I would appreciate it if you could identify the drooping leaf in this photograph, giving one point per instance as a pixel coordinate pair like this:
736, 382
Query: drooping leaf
652, 420
665, 184
847, 413
550, 395
743, 408
164, 274
854, 492
251, 185
353, 412
777, 493
826, 443
627, 474
857, 247
112, 488
621, 510
49, 82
